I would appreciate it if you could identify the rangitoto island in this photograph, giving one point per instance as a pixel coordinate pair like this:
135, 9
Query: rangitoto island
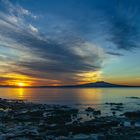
98, 84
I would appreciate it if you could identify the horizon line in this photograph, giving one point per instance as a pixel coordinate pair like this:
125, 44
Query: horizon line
76, 85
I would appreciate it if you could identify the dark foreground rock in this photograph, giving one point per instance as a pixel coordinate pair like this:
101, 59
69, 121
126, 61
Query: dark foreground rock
21, 120
133, 114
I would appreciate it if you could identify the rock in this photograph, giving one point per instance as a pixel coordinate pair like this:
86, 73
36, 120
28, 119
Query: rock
2, 114
122, 124
3, 137
113, 113
23, 121
50, 138
132, 123
93, 111
117, 137
98, 112
101, 137
132, 115
58, 132
117, 108
89, 109
133, 97
118, 104
81, 137
62, 138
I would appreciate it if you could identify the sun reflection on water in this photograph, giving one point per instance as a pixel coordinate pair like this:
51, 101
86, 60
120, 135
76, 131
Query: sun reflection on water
90, 95
20, 92
70, 95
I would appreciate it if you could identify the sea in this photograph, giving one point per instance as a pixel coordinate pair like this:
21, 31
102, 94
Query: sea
82, 98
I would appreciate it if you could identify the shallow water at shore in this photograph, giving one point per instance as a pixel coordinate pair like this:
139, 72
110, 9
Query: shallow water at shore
103, 113
29, 121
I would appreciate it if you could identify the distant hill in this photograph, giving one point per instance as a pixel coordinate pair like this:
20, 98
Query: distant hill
101, 84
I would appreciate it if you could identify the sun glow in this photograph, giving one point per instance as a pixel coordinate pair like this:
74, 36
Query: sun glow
20, 84
90, 77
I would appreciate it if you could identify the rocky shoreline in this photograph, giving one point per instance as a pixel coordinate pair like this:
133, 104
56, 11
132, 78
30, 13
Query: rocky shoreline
21, 120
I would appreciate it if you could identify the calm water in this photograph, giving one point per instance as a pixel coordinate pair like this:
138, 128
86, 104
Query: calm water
71, 95
80, 97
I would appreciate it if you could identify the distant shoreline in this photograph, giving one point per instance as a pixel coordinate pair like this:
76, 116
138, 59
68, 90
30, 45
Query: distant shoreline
99, 84
66, 87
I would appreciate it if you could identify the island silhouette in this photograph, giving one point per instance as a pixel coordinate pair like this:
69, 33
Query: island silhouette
98, 84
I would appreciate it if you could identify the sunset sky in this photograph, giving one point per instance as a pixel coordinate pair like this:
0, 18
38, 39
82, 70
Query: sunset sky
61, 42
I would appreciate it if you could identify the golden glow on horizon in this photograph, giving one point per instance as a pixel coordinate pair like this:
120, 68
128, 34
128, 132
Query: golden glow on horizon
123, 81
20, 84
19, 80
90, 77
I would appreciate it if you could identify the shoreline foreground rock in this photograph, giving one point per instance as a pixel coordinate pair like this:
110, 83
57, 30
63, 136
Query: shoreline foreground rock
21, 120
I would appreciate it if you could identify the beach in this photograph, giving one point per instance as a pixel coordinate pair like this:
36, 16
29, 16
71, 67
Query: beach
23, 120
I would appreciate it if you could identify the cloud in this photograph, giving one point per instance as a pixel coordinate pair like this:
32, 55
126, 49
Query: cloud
46, 59
115, 53
124, 31
66, 47
124, 34
25, 12
33, 29
16, 9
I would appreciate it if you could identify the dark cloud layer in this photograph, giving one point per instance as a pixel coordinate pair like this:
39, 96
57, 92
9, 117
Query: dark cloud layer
125, 28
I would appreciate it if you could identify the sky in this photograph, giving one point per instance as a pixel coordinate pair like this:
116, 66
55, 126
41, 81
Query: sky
62, 42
